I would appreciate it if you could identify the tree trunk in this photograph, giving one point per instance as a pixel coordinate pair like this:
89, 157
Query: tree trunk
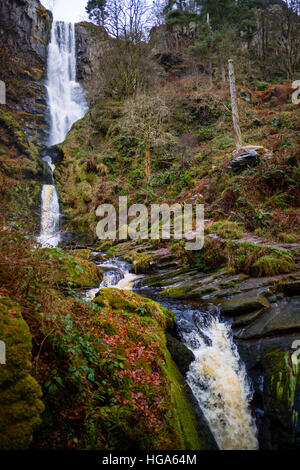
235, 115
148, 162
222, 69
210, 72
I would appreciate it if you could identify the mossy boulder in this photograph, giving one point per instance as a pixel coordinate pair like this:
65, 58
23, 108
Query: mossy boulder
226, 229
141, 262
82, 253
271, 265
259, 260
20, 394
67, 270
133, 303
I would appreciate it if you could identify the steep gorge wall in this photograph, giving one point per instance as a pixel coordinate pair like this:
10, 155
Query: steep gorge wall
93, 45
25, 27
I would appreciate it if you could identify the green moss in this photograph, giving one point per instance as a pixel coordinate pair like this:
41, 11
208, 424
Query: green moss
67, 270
258, 260
178, 292
183, 410
19, 138
20, 404
82, 253
271, 266
133, 303
282, 382
226, 229
287, 238
141, 262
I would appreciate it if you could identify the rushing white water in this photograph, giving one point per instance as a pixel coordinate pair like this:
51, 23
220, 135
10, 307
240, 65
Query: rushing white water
219, 382
66, 104
50, 234
66, 99
217, 377
116, 274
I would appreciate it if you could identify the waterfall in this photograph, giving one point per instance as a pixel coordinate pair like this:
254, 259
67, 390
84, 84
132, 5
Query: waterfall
66, 100
116, 274
66, 104
219, 382
50, 234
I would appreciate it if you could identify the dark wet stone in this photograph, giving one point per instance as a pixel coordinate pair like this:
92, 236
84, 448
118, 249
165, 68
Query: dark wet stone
180, 353
283, 316
243, 161
243, 304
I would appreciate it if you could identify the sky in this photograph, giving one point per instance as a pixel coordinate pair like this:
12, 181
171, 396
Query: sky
67, 10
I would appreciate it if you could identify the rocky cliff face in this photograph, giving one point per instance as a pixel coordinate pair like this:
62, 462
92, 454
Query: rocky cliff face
93, 44
24, 36
25, 27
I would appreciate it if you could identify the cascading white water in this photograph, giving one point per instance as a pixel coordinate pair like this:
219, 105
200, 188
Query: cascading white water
220, 384
66, 99
50, 234
116, 274
217, 377
66, 104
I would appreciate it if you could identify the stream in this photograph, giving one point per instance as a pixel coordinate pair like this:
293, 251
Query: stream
217, 376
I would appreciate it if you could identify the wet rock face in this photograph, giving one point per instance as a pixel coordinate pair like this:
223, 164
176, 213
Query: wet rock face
276, 382
30, 19
25, 27
92, 47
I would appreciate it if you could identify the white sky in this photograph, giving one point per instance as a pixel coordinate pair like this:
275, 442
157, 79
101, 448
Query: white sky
67, 10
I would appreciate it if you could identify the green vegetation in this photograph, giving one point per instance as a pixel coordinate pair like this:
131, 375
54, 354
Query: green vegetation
20, 397
226, 229
282, 380
104, 364
259, 260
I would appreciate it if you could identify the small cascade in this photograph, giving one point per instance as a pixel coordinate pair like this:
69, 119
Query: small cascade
219, 382
217, 377
50, 234
66, 104
116, 274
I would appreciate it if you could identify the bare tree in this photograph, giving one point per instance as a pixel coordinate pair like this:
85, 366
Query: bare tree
126, 19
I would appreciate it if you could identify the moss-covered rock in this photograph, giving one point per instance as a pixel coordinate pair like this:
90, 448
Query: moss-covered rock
82, 253
133, 303
20, 394
180, 353
282, 400
226, 229
67, 270
141, 262
271, 265
259, 260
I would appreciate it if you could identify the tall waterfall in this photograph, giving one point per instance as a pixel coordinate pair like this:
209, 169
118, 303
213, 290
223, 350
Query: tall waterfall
219, 382
66, 104
66, 100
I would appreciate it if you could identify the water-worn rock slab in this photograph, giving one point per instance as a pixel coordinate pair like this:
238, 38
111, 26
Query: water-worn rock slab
242, 304
283, 316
